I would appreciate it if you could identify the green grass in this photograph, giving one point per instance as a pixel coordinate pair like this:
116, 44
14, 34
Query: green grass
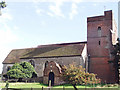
23, 85
38, 85
89, 86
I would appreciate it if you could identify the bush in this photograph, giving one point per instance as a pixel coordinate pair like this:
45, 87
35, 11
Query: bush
76, 75
21, 70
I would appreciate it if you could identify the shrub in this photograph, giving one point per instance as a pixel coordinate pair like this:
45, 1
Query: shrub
76, 75
21, 70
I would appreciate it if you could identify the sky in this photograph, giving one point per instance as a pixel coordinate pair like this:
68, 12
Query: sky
29, 23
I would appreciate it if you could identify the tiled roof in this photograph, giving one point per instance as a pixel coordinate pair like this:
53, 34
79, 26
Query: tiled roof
13, 56
54, 50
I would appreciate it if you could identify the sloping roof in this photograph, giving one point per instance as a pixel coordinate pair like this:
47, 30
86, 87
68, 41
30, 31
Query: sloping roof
14, 56
53, 50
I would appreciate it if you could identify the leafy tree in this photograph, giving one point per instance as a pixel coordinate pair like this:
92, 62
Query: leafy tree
28, 69
76, 75
116, 54
21, 70
2, 4
17, 66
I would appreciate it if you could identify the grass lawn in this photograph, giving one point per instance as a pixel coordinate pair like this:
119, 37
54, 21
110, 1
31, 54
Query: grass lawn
88, 86
38, 85
23, 85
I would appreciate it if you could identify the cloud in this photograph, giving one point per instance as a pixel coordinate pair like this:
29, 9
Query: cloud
5, 16
77, 1
39, 11
35, 1
7, 36
43, 23
6, 31
73, 11
56, 9
15, 27
94, 4
50, 14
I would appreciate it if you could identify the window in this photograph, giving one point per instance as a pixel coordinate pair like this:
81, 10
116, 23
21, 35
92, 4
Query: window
32, 63
8, 68
46, 64
99, 31
99, 43
99, 28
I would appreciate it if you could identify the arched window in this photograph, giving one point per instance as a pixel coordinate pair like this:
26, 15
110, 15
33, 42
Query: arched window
99, 28
99, 31
8, 68
46, 64
32, 63
99, 43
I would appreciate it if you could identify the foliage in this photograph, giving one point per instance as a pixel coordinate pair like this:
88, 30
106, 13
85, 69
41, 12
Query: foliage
21, 70
17, 66
15, 73
3, 4
28, 69
76, 75
116, 54
7, 84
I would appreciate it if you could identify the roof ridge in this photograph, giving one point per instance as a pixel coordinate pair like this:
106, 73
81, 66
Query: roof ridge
57, 44
62, 44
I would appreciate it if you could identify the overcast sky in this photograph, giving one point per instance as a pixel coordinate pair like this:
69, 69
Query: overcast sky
29, 23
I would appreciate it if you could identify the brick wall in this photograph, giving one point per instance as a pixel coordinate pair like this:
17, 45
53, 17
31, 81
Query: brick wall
53, 67
99, 44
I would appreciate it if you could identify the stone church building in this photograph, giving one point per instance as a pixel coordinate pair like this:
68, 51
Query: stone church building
93, 54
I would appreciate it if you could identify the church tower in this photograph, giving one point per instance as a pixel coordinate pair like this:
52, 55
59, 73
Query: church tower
101, 35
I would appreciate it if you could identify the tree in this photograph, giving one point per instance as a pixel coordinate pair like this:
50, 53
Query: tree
116, 54
76, 75
21, 70
2, 4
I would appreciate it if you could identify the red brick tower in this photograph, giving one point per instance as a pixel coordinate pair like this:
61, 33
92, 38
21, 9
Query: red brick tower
99, 41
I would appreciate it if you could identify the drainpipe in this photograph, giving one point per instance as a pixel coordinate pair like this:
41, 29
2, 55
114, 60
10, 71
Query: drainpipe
88, 62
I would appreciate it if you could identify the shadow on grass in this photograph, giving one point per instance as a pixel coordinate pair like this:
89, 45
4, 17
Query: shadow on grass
61, 89
46, 85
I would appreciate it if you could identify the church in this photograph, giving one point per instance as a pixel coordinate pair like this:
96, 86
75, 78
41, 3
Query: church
93, 54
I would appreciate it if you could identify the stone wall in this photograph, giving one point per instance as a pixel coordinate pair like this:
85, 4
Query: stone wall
5, 66
40, 62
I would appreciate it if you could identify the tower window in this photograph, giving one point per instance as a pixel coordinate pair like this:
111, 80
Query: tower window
99, 43
99, 28
99, 31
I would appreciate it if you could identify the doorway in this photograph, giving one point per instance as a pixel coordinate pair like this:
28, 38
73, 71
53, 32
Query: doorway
51, 77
